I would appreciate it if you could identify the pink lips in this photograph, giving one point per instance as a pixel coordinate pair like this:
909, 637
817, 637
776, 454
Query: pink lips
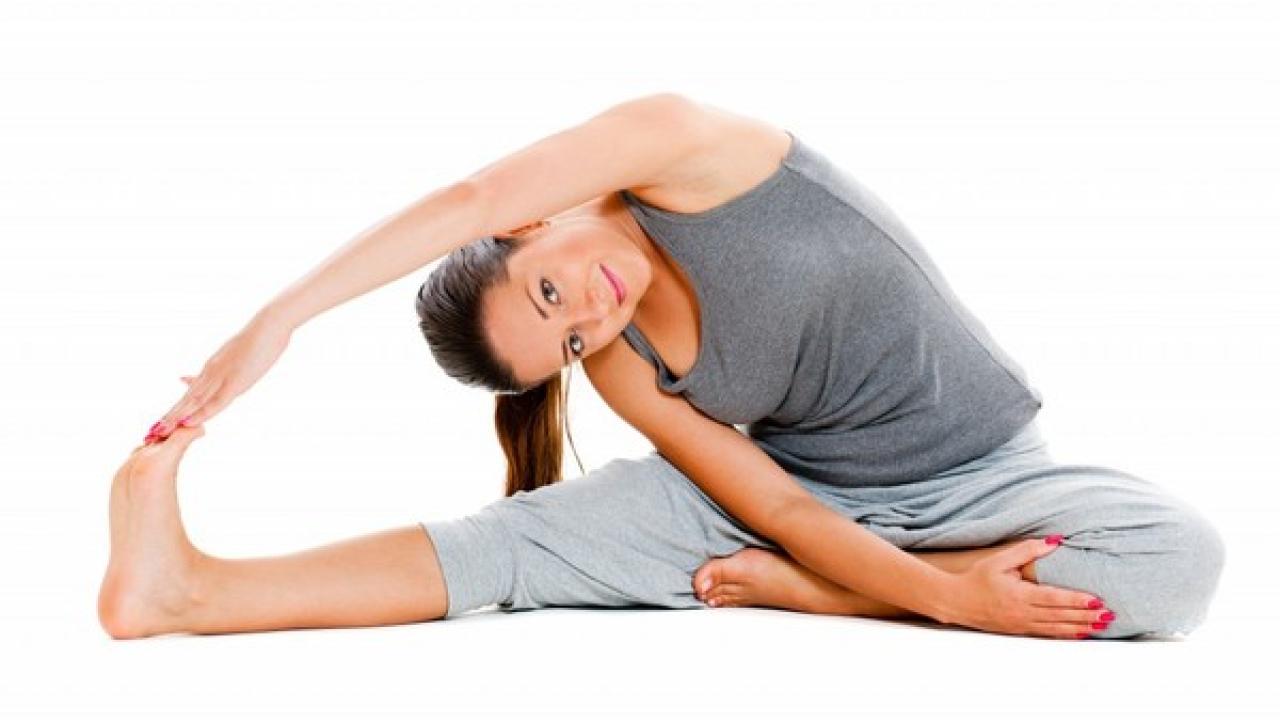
619, 290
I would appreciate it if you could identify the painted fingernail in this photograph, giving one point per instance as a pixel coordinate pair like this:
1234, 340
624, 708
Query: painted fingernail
1099, 626
1094, 604
1054, 539
1082, 636
154, 428
1107, 616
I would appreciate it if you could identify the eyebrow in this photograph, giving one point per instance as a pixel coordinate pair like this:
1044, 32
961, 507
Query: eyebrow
535, 304
564, 353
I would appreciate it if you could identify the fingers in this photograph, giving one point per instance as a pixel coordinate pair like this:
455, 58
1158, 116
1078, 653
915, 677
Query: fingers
211, 407
1068, 622
1073, 615
198, 393
1021, 553
1065, 631
1050, 596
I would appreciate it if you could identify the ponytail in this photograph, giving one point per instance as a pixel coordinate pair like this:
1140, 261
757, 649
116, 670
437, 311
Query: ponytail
529, 430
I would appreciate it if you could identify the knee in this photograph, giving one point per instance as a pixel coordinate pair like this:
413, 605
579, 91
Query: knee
1167, 589
1201, 555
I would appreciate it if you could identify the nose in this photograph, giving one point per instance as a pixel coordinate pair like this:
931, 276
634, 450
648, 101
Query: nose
598, 300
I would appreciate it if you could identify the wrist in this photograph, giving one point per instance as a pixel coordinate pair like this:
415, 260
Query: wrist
939, 595
273, 318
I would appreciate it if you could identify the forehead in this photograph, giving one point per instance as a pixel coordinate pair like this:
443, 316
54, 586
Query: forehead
521, 337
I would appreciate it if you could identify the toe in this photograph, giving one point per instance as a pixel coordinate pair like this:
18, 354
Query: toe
706, 578
722, 593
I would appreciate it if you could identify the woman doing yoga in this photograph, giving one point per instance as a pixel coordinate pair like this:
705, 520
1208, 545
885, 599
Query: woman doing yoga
833, 430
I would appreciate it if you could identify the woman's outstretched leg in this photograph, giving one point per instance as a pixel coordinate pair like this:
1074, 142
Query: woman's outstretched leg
158, 582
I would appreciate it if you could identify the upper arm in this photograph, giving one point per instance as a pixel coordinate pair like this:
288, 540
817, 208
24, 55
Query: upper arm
724, 463
634, 144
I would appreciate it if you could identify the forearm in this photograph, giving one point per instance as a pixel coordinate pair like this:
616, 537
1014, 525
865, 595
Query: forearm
848, 554
394, 247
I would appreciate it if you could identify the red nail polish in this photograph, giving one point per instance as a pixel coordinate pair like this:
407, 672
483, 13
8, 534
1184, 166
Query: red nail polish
1094, 604
154, 428
1082, 635
1100, 626
1054, 539
1107, 616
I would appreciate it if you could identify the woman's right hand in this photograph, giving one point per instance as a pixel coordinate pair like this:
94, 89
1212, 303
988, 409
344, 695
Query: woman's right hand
234, 368
993, 595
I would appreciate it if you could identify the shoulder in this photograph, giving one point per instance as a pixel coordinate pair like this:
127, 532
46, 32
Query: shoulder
732, 154
614, 365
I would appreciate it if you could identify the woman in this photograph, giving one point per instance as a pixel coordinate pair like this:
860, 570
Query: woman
823, 403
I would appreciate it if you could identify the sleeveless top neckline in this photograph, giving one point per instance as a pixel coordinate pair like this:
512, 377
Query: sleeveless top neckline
667, 380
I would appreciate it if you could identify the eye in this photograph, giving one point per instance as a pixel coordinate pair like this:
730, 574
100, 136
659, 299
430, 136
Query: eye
547, 286
576, 346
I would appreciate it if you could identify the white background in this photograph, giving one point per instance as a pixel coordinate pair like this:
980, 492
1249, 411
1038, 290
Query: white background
1097, 180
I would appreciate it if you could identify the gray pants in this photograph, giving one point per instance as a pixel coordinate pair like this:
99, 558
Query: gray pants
633, 532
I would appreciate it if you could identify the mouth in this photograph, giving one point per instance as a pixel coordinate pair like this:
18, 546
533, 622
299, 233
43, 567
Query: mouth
619, 290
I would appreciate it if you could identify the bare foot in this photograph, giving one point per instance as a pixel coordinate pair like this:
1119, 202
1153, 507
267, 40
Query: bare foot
758, 577
148, 584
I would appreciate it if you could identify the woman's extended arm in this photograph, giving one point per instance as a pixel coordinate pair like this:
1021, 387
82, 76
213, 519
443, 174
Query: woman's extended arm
394, 247
391, 249
631, 144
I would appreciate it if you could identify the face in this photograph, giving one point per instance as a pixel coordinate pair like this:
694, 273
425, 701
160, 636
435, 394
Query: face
559, 305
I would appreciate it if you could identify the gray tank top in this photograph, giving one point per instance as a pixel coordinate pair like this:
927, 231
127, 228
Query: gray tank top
829, 333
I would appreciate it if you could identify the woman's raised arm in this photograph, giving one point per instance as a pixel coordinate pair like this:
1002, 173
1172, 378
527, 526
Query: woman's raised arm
385, 252
632, 144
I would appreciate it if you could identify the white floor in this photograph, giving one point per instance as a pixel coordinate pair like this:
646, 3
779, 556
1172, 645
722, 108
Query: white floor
644, 662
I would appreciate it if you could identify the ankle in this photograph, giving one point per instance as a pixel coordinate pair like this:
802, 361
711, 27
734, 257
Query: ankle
198, 591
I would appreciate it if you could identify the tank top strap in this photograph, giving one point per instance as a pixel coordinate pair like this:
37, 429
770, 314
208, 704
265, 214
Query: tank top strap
668, 382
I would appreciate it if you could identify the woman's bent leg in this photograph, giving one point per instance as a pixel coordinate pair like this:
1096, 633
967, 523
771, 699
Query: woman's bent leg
1154, 560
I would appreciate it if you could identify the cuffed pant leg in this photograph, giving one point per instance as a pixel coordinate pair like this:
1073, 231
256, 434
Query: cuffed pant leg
630, 533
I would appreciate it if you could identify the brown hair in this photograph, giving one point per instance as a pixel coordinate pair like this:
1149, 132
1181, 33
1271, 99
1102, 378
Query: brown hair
528, 419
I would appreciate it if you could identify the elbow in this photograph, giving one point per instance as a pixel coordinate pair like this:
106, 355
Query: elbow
668, 102
780, 521
468, 201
